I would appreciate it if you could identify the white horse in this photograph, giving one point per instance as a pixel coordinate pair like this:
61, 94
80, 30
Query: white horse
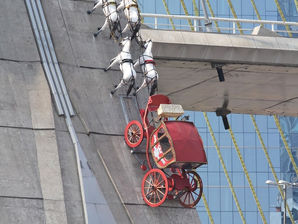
126, 66
147, 65
109, 8
131, 11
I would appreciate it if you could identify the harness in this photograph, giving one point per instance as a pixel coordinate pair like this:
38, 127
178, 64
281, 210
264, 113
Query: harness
130, 61
113, 26
148, 61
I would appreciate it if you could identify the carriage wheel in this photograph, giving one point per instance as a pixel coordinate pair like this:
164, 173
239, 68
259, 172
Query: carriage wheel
133, 134
192, 195
155, 187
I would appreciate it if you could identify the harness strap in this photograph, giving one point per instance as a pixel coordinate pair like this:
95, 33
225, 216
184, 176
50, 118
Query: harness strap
132, 5
105, 4
127, 60
149, 62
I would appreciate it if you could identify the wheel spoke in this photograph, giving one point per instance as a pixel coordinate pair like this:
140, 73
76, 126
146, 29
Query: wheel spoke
158, 196
195, 193
192, 197
160, 183
149, 193
160, 192
157, 180
184, 197
150, 197
150, 183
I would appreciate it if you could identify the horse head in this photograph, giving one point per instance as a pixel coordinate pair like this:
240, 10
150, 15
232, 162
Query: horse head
148, 47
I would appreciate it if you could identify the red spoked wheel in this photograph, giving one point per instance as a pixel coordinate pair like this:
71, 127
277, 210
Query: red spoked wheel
155, 187
193, 193
133, 134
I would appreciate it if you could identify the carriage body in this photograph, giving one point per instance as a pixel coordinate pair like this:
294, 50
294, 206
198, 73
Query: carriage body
172, 144
177, 144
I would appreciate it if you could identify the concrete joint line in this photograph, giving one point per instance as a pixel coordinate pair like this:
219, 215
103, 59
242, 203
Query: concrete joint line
28, 128
105, 134
18, 61
285, 101
191, 86
22, 198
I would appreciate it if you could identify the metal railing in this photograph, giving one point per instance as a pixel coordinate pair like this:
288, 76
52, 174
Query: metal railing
227, 24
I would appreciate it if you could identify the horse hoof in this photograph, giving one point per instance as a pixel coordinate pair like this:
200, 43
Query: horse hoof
134, 94
112, 93
105, 70
115, 86
89, 12
98, 28
95, 34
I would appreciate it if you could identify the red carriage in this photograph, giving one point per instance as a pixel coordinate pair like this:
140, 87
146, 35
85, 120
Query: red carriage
174, 150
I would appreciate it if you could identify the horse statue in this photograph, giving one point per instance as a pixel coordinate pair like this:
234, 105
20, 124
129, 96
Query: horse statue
132, 13
109, 8
126, 66
147, 65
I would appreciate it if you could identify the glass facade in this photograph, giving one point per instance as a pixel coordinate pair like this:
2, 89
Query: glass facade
216, 188
290, 13
244, 10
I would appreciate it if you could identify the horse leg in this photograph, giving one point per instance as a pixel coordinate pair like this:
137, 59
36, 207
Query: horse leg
112, 62
130, 87
96, 5
153, 87
125, 28
121, 6
101, 28
119, 86
144, 84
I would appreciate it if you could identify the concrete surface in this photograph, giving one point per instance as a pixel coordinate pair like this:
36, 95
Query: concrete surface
38, 174
30, 174
260, 72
